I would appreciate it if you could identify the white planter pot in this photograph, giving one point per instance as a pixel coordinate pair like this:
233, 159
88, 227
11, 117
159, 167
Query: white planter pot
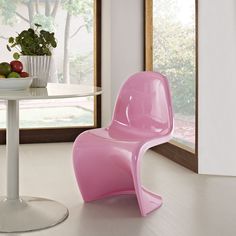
38, 67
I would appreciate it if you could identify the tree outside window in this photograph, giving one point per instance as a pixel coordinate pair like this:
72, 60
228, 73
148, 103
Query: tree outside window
174, 56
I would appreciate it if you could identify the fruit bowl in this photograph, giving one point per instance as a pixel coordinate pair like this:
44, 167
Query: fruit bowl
15, 83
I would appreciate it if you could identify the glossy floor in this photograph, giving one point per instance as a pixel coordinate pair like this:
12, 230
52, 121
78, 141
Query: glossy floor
194, 205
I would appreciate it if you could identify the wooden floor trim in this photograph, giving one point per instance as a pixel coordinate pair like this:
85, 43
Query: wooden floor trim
178, 155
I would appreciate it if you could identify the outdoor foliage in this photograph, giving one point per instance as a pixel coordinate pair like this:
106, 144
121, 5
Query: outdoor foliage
174, 54
80, 67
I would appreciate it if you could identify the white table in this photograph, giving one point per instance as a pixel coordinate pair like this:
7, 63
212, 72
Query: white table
21, 214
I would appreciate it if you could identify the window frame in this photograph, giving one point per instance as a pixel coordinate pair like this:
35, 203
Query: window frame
172, 150
64, 134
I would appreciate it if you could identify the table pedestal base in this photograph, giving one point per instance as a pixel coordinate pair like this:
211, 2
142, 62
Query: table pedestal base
30, 213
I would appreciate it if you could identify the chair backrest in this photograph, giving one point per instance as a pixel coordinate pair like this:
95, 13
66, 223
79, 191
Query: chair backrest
144, 104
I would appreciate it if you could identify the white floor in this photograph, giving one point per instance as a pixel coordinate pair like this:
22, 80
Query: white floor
194, 205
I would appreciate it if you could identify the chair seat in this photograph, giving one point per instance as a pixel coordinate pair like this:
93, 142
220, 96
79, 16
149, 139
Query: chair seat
124, 134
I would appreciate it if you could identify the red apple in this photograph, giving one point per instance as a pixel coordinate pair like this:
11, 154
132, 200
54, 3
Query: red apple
24, 74
16, 66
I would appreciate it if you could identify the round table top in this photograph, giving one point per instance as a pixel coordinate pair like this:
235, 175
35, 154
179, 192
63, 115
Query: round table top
52, 91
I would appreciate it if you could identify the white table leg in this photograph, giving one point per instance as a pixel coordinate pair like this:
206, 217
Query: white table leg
13, 150
21, 214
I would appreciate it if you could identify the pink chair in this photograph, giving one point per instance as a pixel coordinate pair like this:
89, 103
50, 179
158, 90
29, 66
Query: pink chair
107, 160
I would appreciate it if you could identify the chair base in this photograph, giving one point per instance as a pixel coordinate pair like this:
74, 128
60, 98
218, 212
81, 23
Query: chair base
150, 201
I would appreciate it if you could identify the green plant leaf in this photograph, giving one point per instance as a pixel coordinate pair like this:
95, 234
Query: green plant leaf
33, 42
8, 48
11, 40
31, 31
54, 44
16, 55
37, 25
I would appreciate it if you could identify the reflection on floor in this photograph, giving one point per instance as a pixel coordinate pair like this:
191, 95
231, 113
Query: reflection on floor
194, 205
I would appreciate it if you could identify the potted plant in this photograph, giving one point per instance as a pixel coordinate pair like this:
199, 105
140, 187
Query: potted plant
35, 47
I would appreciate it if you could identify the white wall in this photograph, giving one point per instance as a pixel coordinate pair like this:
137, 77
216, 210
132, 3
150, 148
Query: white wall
217, 87
122, 48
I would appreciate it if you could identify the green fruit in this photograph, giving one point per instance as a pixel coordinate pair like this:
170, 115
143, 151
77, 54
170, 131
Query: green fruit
5, 68
13, 75
2, 76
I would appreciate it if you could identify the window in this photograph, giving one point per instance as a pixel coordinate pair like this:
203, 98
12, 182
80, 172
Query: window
75, 60
171, 48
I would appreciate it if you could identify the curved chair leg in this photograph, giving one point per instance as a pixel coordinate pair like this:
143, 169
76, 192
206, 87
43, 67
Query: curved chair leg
147, 200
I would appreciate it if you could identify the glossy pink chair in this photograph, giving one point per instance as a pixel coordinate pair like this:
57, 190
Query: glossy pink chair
107, 160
